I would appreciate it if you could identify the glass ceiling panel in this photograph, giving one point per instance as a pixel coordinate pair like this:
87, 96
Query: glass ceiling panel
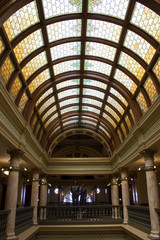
119, 96
142, 102
69, 109
64, 29
67, 93
42, 77
112, 112
105, 30
55, 130
131, 65
21, 20
22, 102
91, 109
15, 88
88, 122
71, 122
73, 82
34, 121
151, 90
97, 66
44, 96
90, 118
70, 118
2, 46
125, 80
123, 129
92, 92
50, 120
46, 104
65, 50
103, 129
54, 8
69, 101
128, 122
146, 19
120, 135
106, 117
94, 83
66, 66
49, 112
28, 45
140, 46
6, 71
131, 112
92, 102
115, 104
36, 63
156, 69
109, 7
100, 50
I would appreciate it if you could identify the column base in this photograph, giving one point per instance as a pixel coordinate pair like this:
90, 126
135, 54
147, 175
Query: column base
153, 236
12, 238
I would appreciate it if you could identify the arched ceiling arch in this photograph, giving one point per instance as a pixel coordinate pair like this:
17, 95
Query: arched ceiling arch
81, 64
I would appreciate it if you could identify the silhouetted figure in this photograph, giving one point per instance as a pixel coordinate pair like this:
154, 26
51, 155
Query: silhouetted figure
75, 194
83, 195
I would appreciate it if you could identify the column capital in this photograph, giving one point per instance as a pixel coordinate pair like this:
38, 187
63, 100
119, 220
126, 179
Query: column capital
15, 153
147, 153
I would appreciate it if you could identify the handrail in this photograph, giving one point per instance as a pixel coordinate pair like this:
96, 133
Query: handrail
3, 222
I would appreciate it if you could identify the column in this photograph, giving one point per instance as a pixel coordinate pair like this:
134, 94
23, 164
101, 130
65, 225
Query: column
125, 194
114, 197
12, 192
153, 192
43, 197
34, 195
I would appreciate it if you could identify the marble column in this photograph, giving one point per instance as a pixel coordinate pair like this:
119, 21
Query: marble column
43, 197
125, 194
114, 196
34, 195
12, 192
153, 193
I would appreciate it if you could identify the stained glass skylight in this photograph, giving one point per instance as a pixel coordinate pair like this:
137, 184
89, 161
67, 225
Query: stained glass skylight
92, 92
92, 102
156, 69
88, 122
48, 92
68, 83
95, 83
66, 66
115, 104
6, 71
112, 112
69, 109
109, 119
69, 101
97, 66
67, 93
15, 88
2, 46
151, 90
119, 96
90, 109
104, 131
142, 102
48, 103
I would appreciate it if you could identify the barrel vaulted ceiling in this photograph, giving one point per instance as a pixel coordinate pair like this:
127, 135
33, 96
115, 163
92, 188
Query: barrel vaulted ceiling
81, 64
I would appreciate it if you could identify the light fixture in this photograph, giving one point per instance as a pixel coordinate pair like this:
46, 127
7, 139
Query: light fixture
5, 171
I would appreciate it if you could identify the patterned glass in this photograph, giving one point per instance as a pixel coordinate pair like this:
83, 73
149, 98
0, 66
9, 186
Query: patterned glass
112, 112
22, 102
92, 102
66, 66
119, 96
49, 112
146, 19
69, 101
156, 69
120, 135
65, 50
54, 8
97, 66
110, 120
105, 30
67, 93
42, 77
100, 50
113, 8
128, 122
50, 119
48, 103
2, 46
55, 130
28, 45
70, 122
90, 109
131, 65
104, 131
95, 83
123, 129
21, 20
88, 122
115, 104
125, 80
6, 71
131, 112
34, 121
142, 102
139, 45
89, 118
92, 92
34, 65
37, 129
64, 29
69, 109
151, 90
73, 82
15, 88
44, 96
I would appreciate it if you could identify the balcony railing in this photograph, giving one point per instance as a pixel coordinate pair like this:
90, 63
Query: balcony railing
3, 223
80, 214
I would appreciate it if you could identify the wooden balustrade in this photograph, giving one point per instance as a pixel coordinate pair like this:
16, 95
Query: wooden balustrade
3, 223
79, 214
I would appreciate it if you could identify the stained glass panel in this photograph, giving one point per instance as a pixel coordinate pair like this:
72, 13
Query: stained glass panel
110, 120
51, 119
139, 45
92, 92
44, 96
28, 45
105, 30
66, 66
131, 112
67, 93
69, 109
146, 19
42, 77
123, 129
21, 20
88, 122
15, 88
115, 104
97, 66
65, 50
37, 128
70, 122
2, 46
22, 102
92, 102
120, 135
131, 65
68, 83
69, 118
104, 131
125, 80
156, 69
128, 122
55, 130
94, 83
142, 102
109, 7
151, 90
112, 112
54, 8
90, 109
89, 118
69, 101
6, 71
49, 112
100, 50
48, 103
119, 96
64, 29
34, 121
34, 65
